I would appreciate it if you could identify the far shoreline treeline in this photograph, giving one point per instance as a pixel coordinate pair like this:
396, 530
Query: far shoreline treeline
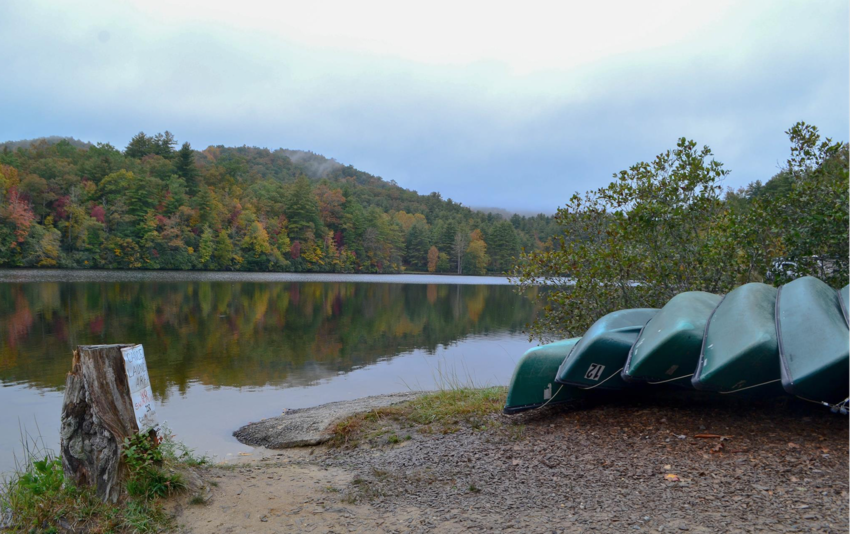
69, 204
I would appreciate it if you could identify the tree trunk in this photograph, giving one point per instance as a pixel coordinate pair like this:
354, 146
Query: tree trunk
97, 414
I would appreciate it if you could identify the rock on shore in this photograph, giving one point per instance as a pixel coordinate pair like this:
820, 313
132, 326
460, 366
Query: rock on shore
304, 427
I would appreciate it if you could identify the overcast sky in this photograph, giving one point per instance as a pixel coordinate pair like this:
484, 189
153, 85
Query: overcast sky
515, 106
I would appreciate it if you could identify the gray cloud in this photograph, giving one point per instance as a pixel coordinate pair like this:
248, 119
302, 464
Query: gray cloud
479, 133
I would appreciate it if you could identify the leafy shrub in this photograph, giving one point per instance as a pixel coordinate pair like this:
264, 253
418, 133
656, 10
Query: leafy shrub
662, 227
144, 457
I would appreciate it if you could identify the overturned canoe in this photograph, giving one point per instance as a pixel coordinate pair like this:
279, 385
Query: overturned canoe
668, 348
844, 300
599, 357
740, 351
533, 383
813, 341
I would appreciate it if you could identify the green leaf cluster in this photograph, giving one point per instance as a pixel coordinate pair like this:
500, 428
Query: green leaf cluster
148, 477
664, 226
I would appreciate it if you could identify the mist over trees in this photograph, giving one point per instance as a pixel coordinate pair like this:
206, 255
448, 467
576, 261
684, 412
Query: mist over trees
160, 204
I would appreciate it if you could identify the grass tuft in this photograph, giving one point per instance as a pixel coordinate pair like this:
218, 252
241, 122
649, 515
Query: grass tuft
443, 411
38, 498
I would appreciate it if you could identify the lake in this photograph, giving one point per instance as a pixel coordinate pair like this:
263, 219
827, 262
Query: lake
225, 349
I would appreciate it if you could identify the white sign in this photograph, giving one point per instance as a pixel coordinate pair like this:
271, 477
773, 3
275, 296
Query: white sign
140, 387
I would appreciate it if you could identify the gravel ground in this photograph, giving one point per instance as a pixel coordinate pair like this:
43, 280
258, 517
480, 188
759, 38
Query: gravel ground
616, 467
622, 466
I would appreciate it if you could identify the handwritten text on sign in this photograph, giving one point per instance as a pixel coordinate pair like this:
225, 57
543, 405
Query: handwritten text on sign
140, 387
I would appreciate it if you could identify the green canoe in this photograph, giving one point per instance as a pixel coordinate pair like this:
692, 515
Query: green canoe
844, 300
533, 383
599, 357
668, 348
813, 341
740, 351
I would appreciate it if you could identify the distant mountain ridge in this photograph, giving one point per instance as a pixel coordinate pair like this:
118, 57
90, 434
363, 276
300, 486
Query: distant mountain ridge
507, 214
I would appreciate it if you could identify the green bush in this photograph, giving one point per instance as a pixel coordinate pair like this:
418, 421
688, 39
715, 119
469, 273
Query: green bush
662, 227
144, 459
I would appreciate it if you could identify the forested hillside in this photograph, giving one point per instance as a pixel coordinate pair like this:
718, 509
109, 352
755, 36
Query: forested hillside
156, 206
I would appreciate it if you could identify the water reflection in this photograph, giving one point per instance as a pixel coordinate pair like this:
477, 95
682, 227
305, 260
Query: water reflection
250, 348
242, 334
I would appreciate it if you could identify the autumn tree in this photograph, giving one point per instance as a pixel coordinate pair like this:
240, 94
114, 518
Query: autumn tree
331, 204
433, 258
206, 247
476, 258
223, 253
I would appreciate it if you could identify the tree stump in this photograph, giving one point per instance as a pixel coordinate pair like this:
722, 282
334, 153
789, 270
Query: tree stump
97, 414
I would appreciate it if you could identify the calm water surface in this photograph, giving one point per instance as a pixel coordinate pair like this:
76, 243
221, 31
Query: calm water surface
225, 349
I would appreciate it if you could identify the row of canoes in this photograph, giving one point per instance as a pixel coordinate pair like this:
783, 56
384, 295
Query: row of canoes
756, 340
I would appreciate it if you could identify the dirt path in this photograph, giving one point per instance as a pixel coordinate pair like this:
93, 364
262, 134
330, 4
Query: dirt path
276, 497
619, 467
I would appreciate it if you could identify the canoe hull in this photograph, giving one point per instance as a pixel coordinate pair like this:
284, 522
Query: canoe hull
670, 343
533, 382
740, 352
814, 341
596, 360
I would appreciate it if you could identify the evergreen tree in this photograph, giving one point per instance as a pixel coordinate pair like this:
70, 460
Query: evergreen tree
139, 146
503, 246
176, 195
416, 250
184, 164
163, 144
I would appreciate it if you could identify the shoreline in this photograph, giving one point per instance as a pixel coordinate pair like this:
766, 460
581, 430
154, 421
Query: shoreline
28, 275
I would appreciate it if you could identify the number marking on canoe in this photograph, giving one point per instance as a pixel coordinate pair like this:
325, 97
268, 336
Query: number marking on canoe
594, 371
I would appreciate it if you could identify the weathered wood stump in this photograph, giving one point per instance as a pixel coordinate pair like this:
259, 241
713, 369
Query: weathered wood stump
97, 414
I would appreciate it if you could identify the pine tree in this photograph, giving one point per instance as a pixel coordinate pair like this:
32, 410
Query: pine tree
184, 164
503, 246
163, 144
416, 250
139, 146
